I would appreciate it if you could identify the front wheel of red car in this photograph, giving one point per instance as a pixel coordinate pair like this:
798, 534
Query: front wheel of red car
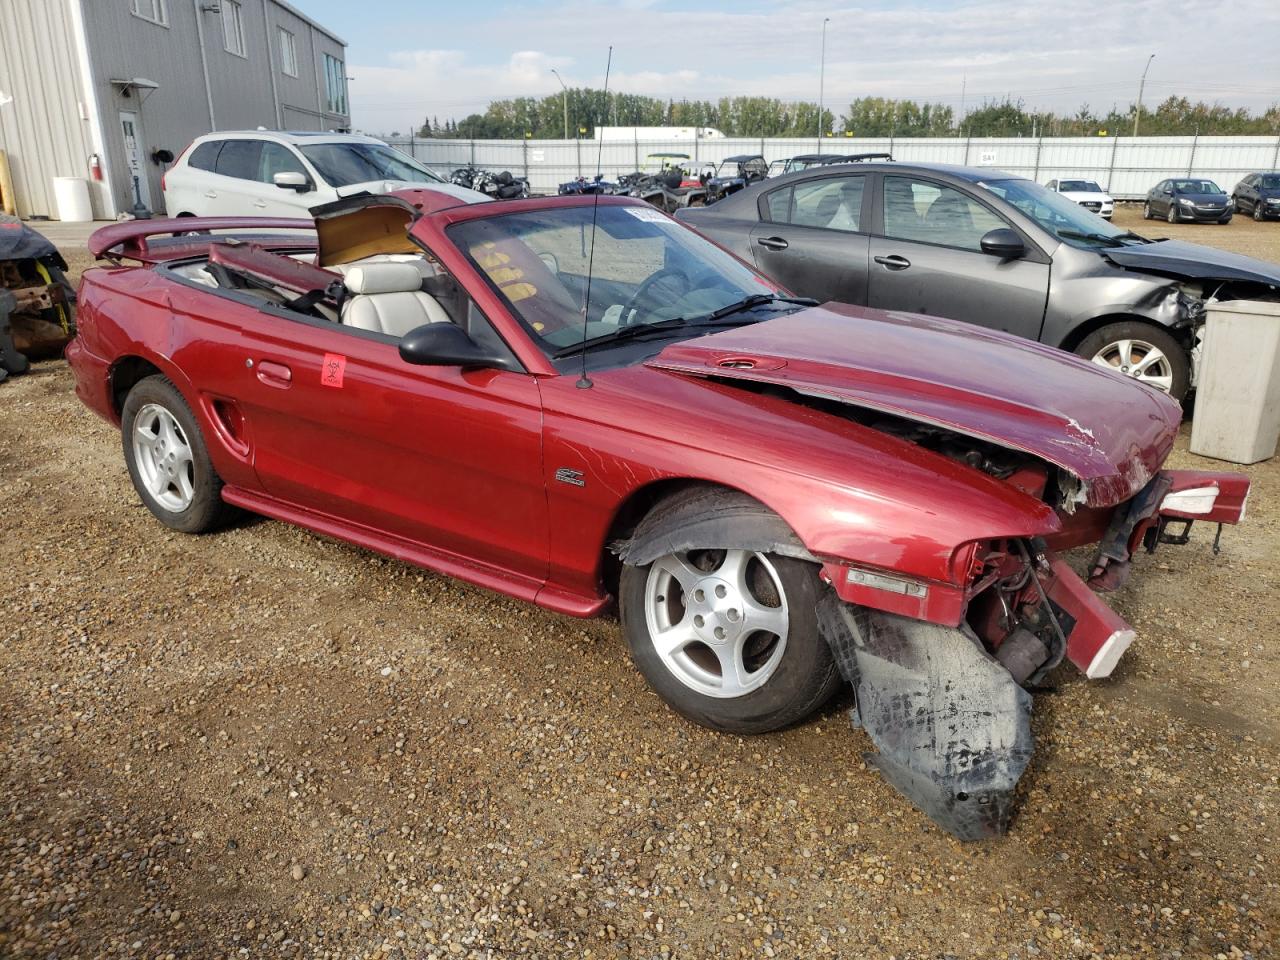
167, 458
729, 638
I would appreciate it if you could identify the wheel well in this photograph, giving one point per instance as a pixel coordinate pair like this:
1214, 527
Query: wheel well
125, 374
1077, 335
628, 516
186, 213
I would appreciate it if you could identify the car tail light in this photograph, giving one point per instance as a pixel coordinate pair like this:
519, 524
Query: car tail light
185, 151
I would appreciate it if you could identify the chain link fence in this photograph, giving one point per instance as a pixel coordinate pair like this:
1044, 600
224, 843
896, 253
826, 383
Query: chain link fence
1126, 167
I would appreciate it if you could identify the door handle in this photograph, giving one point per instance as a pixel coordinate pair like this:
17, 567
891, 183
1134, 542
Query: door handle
893, 262
275, 374
211, 194
773, 243
260, 204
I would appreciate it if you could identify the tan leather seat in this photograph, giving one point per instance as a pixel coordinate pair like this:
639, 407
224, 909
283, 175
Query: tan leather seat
386, 297
425, 266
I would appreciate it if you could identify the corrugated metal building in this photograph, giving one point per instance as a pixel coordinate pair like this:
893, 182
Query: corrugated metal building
119, 80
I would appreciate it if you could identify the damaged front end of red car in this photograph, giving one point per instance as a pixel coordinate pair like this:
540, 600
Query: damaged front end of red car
948, 704
943, 650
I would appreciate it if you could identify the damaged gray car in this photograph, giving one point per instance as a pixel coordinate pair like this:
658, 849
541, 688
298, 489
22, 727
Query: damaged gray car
992, 249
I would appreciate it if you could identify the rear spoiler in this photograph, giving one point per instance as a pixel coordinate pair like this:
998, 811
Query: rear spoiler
133, 239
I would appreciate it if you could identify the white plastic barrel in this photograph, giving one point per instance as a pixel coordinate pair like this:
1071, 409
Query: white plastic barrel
71, 194
1237, 416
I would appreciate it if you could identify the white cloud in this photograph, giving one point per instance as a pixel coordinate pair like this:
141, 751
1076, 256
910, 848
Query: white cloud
1049, 55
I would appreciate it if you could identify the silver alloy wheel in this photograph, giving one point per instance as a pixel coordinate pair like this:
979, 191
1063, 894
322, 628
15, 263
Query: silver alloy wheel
163, 458
718, 619
1138, 359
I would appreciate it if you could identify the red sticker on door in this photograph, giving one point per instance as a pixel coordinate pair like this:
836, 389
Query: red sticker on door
335, 364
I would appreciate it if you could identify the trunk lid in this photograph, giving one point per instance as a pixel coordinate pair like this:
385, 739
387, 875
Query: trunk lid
1109, 432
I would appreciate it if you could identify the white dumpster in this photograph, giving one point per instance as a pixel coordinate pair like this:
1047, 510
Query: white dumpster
1237, 413
71, 194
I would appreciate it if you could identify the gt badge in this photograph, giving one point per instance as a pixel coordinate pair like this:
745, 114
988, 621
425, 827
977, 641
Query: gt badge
331, 371
574, 477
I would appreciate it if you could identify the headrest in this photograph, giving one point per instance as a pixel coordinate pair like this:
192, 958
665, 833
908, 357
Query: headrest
383, 278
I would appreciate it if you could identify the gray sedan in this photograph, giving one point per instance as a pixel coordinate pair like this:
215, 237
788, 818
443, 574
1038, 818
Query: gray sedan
988, 248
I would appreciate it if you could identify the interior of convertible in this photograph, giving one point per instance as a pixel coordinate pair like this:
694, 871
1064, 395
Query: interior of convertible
366, 274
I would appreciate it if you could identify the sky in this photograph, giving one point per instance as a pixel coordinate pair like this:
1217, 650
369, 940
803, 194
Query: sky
409, 59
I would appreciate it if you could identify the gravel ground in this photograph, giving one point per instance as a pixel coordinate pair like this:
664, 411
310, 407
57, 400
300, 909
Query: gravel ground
262, 743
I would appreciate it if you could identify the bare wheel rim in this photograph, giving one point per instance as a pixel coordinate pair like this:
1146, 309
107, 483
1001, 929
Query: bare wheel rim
1138, 359
718, 619
163, 458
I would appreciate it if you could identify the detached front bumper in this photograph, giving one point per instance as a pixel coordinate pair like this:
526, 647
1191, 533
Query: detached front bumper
1162, 513
943, 673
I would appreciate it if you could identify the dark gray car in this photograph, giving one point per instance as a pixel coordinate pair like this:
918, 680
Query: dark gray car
1258, 194
1194, 199
989, 248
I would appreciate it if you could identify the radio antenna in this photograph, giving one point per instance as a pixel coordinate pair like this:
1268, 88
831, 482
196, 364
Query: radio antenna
584, 382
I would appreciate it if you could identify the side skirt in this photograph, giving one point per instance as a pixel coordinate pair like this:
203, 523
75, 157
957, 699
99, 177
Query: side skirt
450, 564
952, 727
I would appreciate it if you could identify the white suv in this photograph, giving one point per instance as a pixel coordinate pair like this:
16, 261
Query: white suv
1087, 193
265, 173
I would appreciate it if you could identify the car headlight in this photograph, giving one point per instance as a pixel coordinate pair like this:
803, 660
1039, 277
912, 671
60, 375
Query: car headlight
1183, 201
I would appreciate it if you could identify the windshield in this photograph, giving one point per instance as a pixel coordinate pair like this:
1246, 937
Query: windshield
1065, 219
729, 168
1196, 186
1270, 182
342, 164
1079, 186
646, 270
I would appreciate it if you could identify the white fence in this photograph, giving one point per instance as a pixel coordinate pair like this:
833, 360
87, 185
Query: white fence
1125, 166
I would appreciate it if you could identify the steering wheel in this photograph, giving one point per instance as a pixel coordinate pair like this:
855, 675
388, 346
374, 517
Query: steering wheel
664, 273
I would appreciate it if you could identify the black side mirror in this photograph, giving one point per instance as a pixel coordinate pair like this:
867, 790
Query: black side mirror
445, 345
1003, 243
162, 156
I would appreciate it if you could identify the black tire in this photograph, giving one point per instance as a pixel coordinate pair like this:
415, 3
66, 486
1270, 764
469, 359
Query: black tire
1257, 213
1171, 215
1146, 212
207, 510
1179, 362
1225, 220
805, 676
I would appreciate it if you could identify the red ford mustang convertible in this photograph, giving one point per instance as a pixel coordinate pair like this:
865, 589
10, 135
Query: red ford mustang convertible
578, 400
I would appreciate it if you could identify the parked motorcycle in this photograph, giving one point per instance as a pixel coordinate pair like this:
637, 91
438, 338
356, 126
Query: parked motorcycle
500, 186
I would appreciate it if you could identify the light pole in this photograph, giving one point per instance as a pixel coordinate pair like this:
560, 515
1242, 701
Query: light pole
822, 78
565, 95
1137, 114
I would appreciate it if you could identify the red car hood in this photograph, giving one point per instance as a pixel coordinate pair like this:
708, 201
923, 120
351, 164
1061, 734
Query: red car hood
1108, 431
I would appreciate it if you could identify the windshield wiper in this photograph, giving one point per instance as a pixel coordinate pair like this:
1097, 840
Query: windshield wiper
641, 330
755, 300
1110, 240
622, 333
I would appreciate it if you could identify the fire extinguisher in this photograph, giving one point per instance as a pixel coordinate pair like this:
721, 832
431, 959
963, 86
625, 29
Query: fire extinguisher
95, 167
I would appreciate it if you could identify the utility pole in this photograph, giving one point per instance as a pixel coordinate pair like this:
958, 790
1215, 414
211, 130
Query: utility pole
964, 82
1137, 114
565, 96
822, 78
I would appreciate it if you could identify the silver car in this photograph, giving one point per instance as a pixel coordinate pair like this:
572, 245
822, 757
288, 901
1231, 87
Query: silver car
991, 249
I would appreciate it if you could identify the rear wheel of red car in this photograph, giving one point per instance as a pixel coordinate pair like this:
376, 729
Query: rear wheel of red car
1141, 351
729, 637
167, 458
